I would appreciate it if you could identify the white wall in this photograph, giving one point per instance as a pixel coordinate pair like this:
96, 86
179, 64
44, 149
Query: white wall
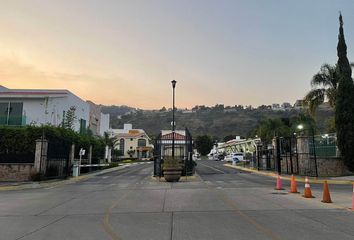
34, 111
82, 110
104, 124
49, 110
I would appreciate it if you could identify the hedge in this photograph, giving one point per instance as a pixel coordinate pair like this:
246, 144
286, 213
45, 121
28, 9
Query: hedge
22, 140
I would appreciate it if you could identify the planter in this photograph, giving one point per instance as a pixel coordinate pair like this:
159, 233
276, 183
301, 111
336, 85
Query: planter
172, 174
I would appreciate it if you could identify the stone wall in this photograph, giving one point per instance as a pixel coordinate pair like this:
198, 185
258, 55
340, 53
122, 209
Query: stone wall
303, 163
16, 171
326, 167
332, 167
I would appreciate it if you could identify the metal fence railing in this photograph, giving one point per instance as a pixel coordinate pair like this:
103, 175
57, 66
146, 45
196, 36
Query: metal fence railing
324, 146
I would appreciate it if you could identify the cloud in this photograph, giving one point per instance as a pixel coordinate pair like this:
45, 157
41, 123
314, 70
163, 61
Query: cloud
118, 90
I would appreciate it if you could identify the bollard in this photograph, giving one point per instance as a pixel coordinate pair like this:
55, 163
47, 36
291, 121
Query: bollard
76, 169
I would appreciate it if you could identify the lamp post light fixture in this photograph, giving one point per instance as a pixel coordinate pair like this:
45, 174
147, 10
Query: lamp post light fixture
301, 128
173, 118
326, 136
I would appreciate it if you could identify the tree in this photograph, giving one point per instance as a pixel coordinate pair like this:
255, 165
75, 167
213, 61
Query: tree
108, 140
218, 107
268, 129
70, 118
282, 127
344, 111
330, 125
324, 85
204, 144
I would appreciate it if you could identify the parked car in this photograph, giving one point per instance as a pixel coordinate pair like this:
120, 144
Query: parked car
220, 156
234, 157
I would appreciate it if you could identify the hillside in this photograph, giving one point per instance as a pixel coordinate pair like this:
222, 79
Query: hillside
212, 121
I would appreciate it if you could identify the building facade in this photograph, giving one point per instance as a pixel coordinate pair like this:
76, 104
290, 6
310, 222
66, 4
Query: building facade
133, 143
99, 122
20, 107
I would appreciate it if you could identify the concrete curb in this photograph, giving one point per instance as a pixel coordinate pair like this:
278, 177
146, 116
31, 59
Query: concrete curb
56, 183
288, 177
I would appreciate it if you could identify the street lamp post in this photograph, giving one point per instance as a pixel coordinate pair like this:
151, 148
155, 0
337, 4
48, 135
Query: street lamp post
301, 127
173, 118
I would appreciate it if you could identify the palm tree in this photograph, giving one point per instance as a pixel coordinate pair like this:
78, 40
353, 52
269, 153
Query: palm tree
108, 140
324, 85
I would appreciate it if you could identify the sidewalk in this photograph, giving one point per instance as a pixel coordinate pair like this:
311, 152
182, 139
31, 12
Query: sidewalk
331, 180
10, 186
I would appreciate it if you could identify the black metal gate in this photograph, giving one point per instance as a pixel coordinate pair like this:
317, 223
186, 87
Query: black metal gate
264, 158
183, 149
289, 161
57, 164
189, 164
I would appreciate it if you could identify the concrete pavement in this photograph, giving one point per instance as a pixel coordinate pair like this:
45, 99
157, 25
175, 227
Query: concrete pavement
222, 203
8, 186
332, 180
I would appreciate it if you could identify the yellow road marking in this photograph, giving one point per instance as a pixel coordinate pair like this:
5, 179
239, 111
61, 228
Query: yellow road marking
106, 224
235, 209
260, 227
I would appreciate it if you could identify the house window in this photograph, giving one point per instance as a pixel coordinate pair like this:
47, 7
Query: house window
141, 143
15, 114
4, 113
11, 113
121, 145
82, 126
131, 139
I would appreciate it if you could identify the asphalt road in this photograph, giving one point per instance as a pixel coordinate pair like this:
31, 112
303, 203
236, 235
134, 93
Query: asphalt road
222, 203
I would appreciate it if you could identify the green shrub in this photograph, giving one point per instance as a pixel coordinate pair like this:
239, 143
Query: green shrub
22, 140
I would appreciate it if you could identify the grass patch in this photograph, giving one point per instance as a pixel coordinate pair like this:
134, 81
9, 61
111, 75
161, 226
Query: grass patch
127, 161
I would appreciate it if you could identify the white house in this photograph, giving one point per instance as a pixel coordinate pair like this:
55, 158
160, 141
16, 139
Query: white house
19, 107
133, 143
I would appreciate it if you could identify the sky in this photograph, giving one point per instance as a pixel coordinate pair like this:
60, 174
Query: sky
248, 52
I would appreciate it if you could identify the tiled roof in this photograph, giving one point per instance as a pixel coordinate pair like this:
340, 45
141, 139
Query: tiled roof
169, 136
132, 134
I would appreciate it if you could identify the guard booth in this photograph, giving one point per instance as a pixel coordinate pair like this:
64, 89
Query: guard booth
183, 150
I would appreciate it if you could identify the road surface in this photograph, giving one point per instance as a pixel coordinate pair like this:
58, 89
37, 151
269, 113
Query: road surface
221, 203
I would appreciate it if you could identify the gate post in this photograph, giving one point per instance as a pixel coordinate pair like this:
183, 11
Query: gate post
40, 161
303, 154
276, 144
70, 163
72, 155
89, 155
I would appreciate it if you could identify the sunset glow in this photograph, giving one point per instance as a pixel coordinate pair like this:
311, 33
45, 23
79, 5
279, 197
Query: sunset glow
127, 52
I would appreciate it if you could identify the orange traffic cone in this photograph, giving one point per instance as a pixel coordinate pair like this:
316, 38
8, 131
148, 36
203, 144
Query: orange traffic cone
278, 187
326, 195
293, 188
307, 191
